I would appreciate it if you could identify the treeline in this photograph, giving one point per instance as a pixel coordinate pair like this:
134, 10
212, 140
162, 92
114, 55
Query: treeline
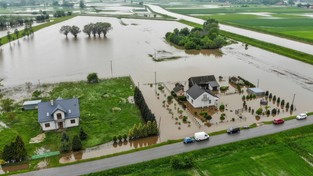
143, 130
198, 38
76, 144
14, 21
91, 28
61, 13
15, 152
143, 107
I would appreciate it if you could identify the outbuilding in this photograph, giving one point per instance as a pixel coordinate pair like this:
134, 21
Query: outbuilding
256, 91
30, 105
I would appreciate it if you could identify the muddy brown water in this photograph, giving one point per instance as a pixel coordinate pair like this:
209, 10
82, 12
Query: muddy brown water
107, 149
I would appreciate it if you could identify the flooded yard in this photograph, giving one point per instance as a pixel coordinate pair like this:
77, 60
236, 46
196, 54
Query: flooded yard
46, 59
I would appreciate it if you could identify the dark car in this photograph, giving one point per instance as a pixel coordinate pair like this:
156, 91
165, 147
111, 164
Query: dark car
189, 140
233, 130
278, 121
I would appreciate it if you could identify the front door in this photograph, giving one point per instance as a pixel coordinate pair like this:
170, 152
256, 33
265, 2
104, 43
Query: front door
60, 124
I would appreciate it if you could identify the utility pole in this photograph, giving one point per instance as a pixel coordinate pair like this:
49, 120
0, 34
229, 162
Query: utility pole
155, 82
258, 83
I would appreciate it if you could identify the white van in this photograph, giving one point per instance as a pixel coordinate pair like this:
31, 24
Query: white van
200, 136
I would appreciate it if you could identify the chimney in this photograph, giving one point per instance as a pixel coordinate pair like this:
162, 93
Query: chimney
51, 102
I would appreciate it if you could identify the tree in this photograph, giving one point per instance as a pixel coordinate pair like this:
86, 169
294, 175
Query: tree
65, 143
208, 117
75, 30
287, 105
20, 153
114, 139
65, 30
282, 103
222, 107
259, 111
81, 4
222, 117
82, 134
120, 137
9, 37
7, 104
93, 78
7, 154
270, 96
16, 32
76, 143
88, 29
278, 100
274, 98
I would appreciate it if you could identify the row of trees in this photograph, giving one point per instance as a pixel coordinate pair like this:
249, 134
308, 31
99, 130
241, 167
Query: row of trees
143, 107
75, 144
143, 130
91, 28
198, 38
62, 13
15, 152
14, 21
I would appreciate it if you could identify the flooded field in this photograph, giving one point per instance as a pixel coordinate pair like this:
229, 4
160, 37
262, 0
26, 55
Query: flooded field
46, 59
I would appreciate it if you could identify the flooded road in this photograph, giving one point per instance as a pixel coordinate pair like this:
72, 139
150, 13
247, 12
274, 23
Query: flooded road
43, 58
306, 48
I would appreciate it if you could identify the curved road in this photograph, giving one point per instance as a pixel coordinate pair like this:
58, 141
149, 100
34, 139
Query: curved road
306, 48
166, 150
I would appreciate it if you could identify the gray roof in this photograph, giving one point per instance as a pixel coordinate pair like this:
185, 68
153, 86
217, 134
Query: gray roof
178, 87
202, 79
45, 108
32, 102
195, 91
256, 90
214, 84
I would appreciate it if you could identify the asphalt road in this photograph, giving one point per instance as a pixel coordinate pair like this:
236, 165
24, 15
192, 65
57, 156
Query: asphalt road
306, 48
167, 150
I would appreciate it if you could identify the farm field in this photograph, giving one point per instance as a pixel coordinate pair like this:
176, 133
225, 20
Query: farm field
97, 118
285, 153
289, 22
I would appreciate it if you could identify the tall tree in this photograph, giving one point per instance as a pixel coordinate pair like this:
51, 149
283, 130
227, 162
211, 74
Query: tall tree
81, 4
16, 32
76, 143
65, 30
88, 29
9, 37
75, 30
20, 153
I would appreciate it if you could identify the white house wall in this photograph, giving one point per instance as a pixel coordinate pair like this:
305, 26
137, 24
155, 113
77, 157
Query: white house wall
67, 122
52, 126
198, 103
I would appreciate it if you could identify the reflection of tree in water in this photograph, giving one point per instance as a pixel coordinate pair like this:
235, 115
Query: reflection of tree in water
138, 143
216, 53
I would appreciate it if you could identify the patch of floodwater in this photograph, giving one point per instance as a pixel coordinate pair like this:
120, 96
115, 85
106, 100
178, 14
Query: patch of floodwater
263, 14
41, 150
307, 15
107, 149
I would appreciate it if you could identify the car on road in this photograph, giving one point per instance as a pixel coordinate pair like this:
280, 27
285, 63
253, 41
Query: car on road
278, 121
189, 140
201, 136
233, 130
302, 116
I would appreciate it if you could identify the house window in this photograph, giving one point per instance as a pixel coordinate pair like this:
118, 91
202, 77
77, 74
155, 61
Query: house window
187, 97
209, 101
191, 101
72, 121
59, 116
47, 125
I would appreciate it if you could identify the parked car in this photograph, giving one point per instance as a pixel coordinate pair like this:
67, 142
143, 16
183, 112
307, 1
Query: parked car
246, 127
233, 130
189, 140
302, 116
278, 121
200, 136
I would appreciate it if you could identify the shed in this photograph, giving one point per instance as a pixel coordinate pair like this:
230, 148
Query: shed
256, 91
29, 105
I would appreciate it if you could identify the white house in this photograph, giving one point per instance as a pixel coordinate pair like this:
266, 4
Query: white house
58, 114
200, 97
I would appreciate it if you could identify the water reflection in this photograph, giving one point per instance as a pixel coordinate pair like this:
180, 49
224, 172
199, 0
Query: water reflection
107, 149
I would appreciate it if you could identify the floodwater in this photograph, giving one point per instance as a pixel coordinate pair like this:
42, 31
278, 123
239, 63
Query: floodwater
306, 48
43, 58
107, 149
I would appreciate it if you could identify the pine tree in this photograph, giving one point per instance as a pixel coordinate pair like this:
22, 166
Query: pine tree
155, 128
149, 128
76, 144
19, 149
7, 154
65, 137
82, 134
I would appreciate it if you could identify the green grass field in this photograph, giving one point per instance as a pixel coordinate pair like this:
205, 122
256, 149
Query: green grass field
285, 153
97, 118
286, 22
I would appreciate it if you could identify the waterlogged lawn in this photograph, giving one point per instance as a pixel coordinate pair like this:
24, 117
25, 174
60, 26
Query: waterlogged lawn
97, 118
273, 155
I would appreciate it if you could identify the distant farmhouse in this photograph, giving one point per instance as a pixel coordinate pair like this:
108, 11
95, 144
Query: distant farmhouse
207, 82
200, 94
58, 114
179, 90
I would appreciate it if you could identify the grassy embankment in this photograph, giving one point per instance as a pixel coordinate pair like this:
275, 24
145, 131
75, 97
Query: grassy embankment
97, 117
264, 45
5, 40
284, 153
286, 22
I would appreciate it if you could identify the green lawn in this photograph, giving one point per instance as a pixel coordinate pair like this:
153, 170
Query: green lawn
97, 119
284, 21
277, 154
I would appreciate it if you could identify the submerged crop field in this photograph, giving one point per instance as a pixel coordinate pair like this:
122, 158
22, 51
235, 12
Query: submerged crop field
289, 22
285, 153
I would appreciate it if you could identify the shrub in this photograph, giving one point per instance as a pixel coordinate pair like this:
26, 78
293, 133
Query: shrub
76, 144
222, 117
282, 103
270, 96
208, 117
82, 134
182, 162
120, 137
259, 111
224, 88
287, 105
92, 78
268, 112
125, 137
169, 98
243, 98
185, 119
274, 111
222, 107
114, 139
291, 107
